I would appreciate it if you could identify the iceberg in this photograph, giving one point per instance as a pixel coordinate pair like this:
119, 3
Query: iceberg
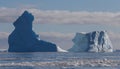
24, 39
96, 41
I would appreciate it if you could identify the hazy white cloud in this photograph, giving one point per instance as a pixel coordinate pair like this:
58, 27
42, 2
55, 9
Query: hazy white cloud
3, 40
57, 34
115, 39
3, 35
8, 15
64, 40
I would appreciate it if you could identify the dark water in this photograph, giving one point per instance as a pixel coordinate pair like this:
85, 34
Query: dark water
54, 60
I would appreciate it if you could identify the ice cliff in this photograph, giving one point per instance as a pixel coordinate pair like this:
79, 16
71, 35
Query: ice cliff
97, 41
24, 39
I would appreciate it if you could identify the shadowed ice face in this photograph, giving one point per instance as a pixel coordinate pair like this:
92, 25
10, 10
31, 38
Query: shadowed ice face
80, 37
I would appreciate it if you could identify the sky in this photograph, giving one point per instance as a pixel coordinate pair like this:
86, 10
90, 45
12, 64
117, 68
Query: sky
58, 21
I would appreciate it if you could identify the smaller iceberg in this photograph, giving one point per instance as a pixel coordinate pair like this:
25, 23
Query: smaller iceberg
96, 41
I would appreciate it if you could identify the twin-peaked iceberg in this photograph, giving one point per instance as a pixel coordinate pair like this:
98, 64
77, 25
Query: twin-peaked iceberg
97, 41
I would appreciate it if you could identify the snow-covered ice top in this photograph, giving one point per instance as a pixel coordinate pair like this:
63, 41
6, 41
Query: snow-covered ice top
24, 39
96, 41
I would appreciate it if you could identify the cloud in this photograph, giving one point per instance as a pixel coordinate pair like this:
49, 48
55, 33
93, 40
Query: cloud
3, 35
8, 15
64, 40
3, 40
115, 39
57, 34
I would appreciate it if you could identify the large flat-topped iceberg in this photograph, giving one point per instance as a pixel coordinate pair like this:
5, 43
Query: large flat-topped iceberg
24, 39
97, 41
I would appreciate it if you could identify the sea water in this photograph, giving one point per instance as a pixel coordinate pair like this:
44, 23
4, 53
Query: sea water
56, 60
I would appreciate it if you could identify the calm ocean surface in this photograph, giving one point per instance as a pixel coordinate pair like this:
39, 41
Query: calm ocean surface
54, 60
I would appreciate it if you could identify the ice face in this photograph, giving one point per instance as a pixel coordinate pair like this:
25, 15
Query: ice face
80, 43
97, 41
24, 39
